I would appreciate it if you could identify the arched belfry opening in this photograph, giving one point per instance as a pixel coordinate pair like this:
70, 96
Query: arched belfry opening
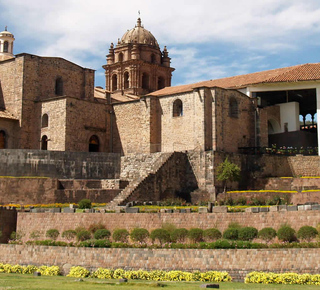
138, 54
94, 144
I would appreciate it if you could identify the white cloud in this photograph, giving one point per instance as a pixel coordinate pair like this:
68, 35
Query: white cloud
82, 31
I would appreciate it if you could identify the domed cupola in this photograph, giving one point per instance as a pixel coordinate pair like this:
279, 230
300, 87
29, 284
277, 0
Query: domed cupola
139, 35
6, 44
136, 65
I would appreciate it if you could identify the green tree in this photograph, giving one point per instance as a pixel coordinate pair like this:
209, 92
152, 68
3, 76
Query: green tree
228, 171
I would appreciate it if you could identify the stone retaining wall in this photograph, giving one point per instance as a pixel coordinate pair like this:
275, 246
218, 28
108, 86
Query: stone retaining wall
29, 222
237, 262
58, 164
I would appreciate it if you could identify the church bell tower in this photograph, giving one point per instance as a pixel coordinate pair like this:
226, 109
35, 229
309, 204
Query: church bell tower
136, 65
6, 45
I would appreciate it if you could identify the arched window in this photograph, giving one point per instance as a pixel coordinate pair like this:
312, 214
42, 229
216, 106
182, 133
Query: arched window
161, 83
45, 121
145, 81
2, 139
120, 57
114, 82
94, 144
177, 108
59, 86
153, 58
44, 142
126, 80
6, 46
233, 108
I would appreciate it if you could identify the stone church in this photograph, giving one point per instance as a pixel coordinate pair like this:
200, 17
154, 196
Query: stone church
50, 103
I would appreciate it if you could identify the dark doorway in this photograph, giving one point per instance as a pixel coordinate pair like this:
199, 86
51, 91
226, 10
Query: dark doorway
94, 144
44, 142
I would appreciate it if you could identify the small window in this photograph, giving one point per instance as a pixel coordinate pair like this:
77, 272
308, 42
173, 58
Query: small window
59, 86
114, 82
161, 83
233, 108
120, 57
126, 80
94, 144
2, 139
177, 108
153, 58
45, 121
6, 46
44, 142
145, 81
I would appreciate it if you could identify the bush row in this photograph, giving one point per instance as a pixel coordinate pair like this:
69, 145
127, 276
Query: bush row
285, 278
30, 269
157, 275
140, 235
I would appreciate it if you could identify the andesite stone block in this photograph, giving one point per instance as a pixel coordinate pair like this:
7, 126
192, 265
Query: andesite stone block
220, 209
69, 210
132, 210
292, 208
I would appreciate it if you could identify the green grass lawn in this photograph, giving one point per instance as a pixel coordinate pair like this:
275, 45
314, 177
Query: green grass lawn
15, 281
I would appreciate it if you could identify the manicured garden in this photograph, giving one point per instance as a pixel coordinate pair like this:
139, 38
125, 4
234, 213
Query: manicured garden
169, 236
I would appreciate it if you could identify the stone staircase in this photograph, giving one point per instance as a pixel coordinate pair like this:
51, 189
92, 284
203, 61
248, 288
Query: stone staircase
151, 168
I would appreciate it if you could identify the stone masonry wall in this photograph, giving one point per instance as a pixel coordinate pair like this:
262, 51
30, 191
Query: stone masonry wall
236, 262
236, 131
29, 222
56, 164
131, 127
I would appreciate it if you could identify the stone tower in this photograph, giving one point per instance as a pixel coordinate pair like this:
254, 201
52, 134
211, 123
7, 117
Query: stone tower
6, 45
136, 66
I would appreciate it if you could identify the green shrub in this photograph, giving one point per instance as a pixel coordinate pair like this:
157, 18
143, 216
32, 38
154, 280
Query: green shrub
234, 225
212, 234
169, 227
161, 235
286, 234
267, 234
195, 235
102, 234
52, 234
85, 203
231, 234
179, 235
241, 200
35, 235
139, 235
69, 234
120, 235
83, 235
307, 233
222, 244
247, 233
96, 226
16, 236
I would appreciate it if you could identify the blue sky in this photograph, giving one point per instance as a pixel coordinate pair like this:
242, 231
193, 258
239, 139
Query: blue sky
206, 39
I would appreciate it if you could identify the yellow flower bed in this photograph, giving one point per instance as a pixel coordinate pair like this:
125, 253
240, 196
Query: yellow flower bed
30, 269
285, 278
157, 275
276, 191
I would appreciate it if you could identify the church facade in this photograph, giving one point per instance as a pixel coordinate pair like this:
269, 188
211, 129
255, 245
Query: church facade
50, 103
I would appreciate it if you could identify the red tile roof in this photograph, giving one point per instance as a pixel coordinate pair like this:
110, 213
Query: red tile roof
303, 72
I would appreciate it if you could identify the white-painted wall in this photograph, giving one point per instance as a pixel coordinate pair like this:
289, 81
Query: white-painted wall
289, 113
